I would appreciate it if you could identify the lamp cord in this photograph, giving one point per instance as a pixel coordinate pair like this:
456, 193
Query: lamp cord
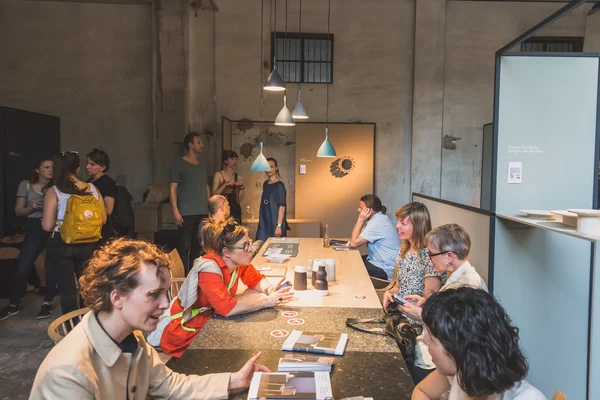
329, 41
260, 70
300, 30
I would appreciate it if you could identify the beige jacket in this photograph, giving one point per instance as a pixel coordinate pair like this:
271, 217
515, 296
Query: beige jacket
87, 364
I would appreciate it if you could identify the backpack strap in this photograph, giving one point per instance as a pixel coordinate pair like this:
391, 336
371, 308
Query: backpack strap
353, 323
189, 290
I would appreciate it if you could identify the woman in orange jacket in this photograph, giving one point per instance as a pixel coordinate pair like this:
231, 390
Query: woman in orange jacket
212, 284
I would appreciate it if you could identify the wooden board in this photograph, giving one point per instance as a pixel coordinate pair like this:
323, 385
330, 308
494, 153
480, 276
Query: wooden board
352, 277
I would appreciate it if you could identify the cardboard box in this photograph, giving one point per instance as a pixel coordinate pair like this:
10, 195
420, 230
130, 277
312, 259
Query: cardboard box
157, 194
147, 217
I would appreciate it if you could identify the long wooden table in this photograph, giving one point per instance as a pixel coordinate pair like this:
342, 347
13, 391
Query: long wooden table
372, 365
351, 289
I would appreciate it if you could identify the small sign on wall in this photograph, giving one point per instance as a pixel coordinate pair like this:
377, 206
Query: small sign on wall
515, 172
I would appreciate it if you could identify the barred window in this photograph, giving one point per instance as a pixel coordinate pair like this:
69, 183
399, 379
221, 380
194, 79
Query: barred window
553, 44
303, 57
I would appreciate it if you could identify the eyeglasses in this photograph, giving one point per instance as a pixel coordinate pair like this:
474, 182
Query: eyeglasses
247, 247
438, 254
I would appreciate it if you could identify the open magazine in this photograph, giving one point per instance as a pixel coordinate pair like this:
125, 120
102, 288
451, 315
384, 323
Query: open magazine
290, 385
311, 342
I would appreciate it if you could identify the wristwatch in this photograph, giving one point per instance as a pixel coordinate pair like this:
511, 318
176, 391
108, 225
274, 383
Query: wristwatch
279, 225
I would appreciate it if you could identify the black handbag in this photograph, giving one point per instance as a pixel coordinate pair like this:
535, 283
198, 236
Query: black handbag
397, 326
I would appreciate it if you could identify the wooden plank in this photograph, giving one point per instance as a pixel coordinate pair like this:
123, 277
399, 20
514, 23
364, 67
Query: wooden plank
352, 278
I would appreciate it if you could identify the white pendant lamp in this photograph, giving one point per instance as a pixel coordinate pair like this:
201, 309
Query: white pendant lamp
274, 82
327, 149
299, 112
284, 118
261, 164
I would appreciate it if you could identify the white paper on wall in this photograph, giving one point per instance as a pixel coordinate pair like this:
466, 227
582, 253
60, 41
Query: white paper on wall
515, 172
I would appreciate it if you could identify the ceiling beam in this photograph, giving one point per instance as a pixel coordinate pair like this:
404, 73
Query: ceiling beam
529, 1
127, 2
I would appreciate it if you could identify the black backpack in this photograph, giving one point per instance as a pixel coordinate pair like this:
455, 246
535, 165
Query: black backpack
122, 217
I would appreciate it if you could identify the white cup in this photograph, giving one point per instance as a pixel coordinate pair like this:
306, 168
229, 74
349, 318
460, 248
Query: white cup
330, 267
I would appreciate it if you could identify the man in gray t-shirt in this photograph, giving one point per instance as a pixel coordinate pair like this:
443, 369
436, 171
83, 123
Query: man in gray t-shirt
189, 193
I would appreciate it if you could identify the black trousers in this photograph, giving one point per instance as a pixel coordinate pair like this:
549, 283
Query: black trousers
373, 270
33, 244
189, 247
67, 260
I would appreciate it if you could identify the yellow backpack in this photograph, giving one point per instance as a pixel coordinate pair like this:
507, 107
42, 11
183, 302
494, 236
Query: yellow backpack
82, 222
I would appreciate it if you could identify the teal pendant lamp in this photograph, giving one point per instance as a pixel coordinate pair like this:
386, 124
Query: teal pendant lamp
284, 118
261, 164
326, 149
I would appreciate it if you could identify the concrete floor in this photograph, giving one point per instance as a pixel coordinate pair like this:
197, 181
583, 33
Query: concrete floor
24, 343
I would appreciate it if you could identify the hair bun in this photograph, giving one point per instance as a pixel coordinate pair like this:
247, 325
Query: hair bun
383, 209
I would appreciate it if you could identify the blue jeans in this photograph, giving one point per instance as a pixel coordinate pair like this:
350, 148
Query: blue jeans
33, 244
67, 260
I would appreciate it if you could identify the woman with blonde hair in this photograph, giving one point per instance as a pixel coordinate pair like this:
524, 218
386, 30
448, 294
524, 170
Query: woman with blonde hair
416, 274
212, 284
106, 356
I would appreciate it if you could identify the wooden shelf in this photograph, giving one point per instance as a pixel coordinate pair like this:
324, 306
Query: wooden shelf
554, 225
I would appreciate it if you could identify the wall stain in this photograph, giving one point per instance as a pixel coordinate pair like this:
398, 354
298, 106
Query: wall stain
449, 142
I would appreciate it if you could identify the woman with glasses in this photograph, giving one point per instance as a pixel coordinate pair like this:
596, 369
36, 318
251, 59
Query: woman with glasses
416, 274
30, 202
448, 247
479, 360
67, 260
212, 284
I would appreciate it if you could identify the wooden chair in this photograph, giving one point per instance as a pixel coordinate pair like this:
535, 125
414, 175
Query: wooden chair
559, 396
381, 286
177, 272
65, 322
177, 268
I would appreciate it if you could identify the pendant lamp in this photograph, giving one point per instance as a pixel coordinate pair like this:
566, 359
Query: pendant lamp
299, 112
261, 164
284, 118
326, 149
274, 81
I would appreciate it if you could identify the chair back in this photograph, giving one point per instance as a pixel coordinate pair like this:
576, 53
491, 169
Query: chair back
559, 396
381, 286
61, 326
177, 268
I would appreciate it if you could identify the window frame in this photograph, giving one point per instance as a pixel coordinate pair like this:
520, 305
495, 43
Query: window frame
304, 36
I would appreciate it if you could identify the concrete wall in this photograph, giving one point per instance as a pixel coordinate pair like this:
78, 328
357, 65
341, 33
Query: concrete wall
475, 30
372, 80
90, 65
118, 83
